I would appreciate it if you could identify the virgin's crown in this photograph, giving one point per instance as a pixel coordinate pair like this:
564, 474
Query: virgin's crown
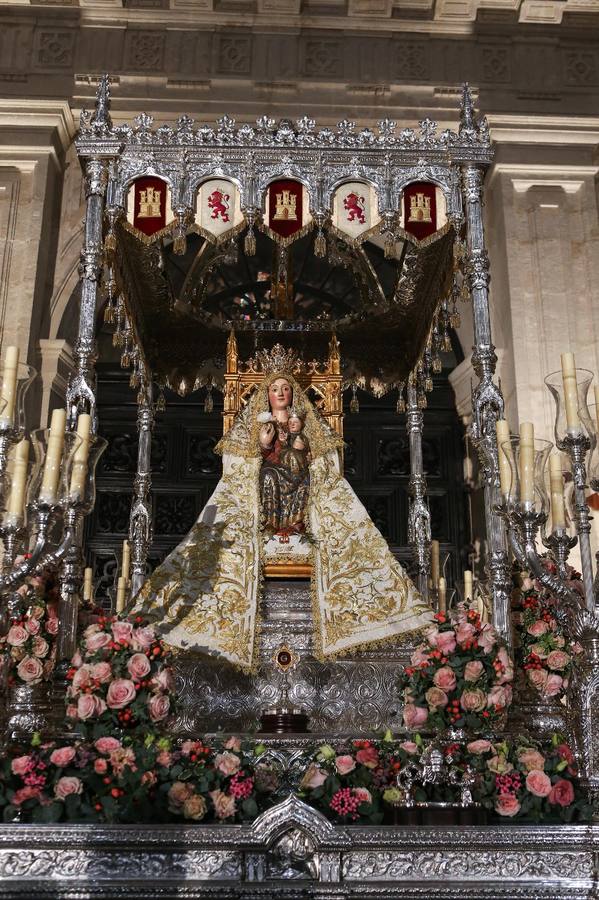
278, 360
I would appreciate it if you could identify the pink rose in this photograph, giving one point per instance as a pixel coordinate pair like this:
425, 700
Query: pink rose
81, 680
537, 628
507, 805
40, 646
143, 638
465, 631
89, 706
500, 695
164, 680
431, 635
345, 764
138, 666
30, 670
29, 792
164, 758
120, 693
368, 756
233, 743
107, 744
508, 666
77, 659
446, 642
531, 759
480, 746
557, 659
363, 795
227, 763
122, 631
224, 806
487, 638
414, 716
32, 626
66, 786
445, 679
52, 626
101, 672
553, 685
71, 712
562, 793
122, 758
195, 807
100, 766
37, 612
16, 636
473, 670
539, 650
538, 679
21, 765
409, 746
473, 701
178, 794
419, 656
158, 706
62, 756
97, 640
149, 778
436, 698
314, 777
538, 783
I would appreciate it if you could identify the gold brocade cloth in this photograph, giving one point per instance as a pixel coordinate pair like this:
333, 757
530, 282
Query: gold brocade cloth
205, 595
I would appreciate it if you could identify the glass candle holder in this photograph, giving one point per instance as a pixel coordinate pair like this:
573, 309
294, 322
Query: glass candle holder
83, 496
12, 416
51, 478
593, 465
528, 492
555, 384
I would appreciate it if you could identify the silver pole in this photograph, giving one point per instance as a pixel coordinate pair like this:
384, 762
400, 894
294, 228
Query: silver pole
140, 522
419, 519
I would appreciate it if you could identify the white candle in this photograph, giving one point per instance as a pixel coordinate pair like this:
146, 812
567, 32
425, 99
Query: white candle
88, 584
126, 560
597, 409
51, 473
467, 585
442, 595
570, 391
120, 595
18, 481
502, 430
79, 473
527, 462
435, 563
556, 480
9, 385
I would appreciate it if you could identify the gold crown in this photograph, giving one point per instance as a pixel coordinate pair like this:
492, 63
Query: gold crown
278, 360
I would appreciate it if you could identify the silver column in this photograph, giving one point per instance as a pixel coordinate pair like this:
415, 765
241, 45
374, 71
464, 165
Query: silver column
419, 519
487, 401
140, 521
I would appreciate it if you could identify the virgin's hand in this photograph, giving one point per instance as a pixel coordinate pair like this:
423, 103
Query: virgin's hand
267, 434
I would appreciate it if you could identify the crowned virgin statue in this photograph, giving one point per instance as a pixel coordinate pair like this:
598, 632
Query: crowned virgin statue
281, 492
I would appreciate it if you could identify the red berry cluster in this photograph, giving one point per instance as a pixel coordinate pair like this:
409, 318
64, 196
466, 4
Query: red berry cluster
345, 803
509, 783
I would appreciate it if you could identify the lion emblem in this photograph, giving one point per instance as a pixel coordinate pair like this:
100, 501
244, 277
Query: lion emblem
218, 202
355, 208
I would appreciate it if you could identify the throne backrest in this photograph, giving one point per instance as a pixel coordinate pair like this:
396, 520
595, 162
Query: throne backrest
321, 382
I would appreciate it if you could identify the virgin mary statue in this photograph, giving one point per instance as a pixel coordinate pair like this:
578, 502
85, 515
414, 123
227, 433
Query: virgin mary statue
280, 488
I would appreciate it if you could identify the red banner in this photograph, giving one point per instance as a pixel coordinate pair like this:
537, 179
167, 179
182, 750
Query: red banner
285, 211
149, 211
420, 209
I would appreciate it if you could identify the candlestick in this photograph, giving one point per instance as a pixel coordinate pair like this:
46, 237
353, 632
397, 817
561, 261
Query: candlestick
9, 385
120, 595
570, 391
502, 430
51, 473
558, 512
16, 499
126, 560
435, 563
88, 584
467, 585
527, 462
79, 474
442, 594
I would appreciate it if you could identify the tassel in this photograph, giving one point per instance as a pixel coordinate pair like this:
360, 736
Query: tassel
320, 244
437, 365
109, 314
180, 244
390, 245
422, 401
208, 401
134, 380
250, 242
354, 404
401, 404
161, 402
447, 343
110, 242
141, 397
428, 384
125, 360
455, 318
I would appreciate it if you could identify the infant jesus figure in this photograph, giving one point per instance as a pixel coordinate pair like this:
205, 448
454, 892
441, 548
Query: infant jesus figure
295, 453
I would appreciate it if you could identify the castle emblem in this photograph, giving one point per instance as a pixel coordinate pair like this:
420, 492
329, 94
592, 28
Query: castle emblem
420, 208
286, 206
149, 204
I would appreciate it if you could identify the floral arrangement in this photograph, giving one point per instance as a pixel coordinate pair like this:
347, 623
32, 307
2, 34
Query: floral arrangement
459, 677
518, 779
544, 653
120, 678
30, 642
135, 780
